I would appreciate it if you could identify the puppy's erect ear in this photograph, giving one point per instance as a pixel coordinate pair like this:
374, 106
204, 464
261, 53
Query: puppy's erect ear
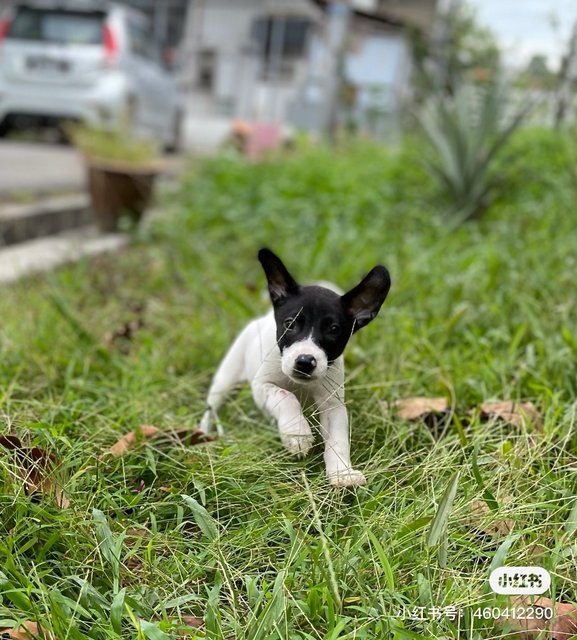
280, 282
364, 301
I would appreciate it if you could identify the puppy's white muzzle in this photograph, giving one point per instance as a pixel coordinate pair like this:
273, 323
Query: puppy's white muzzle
304, 361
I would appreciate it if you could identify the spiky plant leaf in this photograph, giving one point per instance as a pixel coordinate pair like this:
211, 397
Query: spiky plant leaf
466, 133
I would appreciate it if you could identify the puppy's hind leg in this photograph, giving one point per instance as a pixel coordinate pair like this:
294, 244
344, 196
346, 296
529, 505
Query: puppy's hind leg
230, 373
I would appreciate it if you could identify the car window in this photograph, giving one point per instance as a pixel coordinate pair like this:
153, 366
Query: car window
142, 42
66, 27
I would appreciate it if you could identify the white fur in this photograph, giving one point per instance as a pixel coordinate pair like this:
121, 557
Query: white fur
304, 347
254, 357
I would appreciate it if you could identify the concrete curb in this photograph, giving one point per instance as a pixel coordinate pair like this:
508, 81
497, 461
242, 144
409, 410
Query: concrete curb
40, 255
22, 222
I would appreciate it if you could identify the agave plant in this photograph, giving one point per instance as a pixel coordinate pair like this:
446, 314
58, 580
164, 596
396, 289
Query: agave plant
467, 133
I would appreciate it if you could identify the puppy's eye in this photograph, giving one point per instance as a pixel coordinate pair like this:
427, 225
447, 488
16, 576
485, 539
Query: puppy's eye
289, 324
334, 329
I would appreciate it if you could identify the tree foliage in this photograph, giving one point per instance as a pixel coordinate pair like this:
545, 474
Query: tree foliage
459, 49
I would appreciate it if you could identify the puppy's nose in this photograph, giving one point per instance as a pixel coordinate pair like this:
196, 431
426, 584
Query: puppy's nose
305, 363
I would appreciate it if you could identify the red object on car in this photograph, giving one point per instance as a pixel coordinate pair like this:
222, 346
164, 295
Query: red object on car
4, 26
110, 43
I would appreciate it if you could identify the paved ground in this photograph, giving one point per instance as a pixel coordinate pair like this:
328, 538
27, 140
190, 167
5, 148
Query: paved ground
43, 254
28, 168
34, 173
38, 168
205, 136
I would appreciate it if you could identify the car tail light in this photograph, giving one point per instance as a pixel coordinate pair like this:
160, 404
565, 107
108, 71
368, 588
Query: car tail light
110, 43
4, 26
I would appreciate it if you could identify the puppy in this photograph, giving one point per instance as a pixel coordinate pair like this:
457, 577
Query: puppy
292, 358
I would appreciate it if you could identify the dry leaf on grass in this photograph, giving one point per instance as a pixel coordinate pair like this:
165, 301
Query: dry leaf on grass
536, 550
481, 520
511, 412
26, 631
184, 626
129, 439
184, 435
562, 626
134, 564
35, 469
192, 622
137, 532
149, 432
419, 408
124, 335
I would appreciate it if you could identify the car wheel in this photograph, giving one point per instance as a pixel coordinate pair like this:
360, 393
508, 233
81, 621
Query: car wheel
5, 127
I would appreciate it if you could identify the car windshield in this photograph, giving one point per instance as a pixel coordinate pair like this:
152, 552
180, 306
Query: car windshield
65, 27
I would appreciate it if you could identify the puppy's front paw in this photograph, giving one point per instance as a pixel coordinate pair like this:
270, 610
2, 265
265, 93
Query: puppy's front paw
206, 422
210, 420
299, 444
347, 478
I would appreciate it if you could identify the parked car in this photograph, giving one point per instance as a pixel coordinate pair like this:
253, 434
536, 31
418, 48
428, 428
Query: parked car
95, 62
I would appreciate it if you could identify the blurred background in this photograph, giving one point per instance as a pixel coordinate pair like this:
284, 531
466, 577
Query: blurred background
192, 77
306, 64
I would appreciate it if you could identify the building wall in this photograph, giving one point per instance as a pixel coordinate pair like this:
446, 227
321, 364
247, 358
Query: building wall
378, 66
380, 69
167, 18
225, 27
421, 13
377, 71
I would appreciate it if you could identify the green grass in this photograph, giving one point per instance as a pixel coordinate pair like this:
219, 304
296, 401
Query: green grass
237, 532
110, 144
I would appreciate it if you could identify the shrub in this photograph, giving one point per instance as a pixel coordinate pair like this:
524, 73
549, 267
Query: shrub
467, 134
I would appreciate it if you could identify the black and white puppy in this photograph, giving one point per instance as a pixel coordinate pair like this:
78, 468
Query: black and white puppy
292, 358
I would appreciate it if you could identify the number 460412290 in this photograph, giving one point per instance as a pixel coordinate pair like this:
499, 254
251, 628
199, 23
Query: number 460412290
514, 613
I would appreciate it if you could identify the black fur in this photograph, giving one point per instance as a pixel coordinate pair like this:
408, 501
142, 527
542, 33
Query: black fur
317, 312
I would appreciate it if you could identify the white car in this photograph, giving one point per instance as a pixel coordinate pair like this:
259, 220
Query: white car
95, 62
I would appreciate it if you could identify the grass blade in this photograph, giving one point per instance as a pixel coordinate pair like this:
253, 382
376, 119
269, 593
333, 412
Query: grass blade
503, 550
117, 611
202, 518
439, 524
387, 570
110, 546
152, 632
571, 522
487, 495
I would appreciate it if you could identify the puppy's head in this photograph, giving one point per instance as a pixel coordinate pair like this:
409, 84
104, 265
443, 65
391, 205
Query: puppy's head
314, 323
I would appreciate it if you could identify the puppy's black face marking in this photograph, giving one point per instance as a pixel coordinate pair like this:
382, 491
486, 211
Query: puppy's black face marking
314, 323
316, 314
